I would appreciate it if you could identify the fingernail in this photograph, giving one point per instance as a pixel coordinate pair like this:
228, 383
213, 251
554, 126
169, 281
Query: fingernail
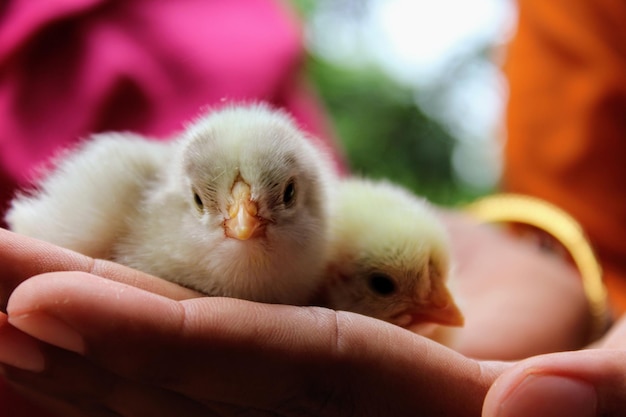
550, 396
20, 352
49, 329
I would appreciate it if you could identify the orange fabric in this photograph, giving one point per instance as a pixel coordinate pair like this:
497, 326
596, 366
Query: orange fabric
566, 120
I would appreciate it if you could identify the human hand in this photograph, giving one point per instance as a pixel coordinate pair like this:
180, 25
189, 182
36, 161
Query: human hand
235, 350
90, 345
505, 287
214, 355
22, 257
25, 258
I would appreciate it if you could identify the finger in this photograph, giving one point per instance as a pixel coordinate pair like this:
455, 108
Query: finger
22, 257
69, 384
25, 402
259, 356
576, 384
19, 349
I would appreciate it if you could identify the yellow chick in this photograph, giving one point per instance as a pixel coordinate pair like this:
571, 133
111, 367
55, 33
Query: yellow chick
389, 258
237, 205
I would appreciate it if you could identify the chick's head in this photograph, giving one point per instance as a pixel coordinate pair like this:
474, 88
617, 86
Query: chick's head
254, 176
390, 257
253, 160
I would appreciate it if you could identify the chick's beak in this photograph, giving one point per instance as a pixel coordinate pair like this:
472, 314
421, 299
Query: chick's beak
449, 315
440, 309
243, 222
443, 308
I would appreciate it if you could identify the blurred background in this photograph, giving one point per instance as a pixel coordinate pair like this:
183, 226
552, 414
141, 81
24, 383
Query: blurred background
414, 88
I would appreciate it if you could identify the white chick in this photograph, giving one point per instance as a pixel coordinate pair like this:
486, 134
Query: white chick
86, 199
390, 257
237, 206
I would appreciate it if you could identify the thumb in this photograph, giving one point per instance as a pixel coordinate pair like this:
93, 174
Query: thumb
576, 384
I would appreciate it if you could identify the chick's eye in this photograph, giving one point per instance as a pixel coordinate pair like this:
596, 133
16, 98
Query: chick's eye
382, 284
198, 201
289, 194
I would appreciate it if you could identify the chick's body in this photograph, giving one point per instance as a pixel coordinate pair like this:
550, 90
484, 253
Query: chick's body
85, 201
236, 206
390, 257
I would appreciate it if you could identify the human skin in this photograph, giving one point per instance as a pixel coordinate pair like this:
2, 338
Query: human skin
224, 360
218, 355
584, 383
518, 299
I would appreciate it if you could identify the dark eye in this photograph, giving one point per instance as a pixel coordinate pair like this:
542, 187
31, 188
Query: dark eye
289, 194
198, 201
382, 284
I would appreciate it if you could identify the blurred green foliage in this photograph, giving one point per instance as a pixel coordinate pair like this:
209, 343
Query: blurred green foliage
304, 7
385, 133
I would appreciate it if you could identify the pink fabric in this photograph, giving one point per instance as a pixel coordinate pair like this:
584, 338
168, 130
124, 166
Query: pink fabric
69, 68
73, 67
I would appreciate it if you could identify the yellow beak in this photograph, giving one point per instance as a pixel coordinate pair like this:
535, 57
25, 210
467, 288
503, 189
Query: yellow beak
243, 222
440, 309
450, 315
443, 309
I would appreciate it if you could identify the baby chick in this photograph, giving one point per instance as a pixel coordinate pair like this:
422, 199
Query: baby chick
390, 257
86, 200
237, 206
